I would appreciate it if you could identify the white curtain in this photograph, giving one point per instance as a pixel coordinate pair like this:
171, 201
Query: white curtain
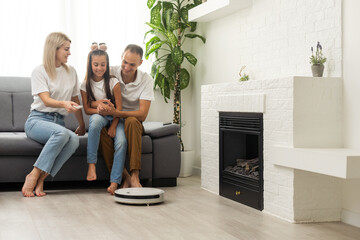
24, 25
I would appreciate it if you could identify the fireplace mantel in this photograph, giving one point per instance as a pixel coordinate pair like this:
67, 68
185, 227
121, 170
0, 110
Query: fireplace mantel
336, 162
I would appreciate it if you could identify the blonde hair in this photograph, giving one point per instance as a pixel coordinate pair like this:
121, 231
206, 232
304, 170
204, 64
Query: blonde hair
53, 42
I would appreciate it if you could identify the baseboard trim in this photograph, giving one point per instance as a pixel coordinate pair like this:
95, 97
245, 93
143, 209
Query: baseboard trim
351, 218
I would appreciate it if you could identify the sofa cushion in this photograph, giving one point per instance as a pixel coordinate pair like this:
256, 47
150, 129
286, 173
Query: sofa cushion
17, 143
6, 111
21, 111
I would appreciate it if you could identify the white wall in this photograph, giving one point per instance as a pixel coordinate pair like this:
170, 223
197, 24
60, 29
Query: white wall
351, 53
272, 38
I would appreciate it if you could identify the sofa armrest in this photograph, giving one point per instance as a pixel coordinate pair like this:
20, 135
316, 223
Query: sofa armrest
157, 129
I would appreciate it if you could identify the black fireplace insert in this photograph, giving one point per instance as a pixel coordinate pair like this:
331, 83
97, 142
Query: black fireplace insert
241, 157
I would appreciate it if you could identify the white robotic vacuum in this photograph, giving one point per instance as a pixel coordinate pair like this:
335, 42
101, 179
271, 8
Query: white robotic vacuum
139, 195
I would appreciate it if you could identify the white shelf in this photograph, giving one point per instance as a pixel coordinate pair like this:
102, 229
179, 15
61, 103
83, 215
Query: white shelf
338, 162
214, 9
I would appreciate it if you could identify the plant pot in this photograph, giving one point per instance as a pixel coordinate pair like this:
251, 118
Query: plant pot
317, 70
187, 163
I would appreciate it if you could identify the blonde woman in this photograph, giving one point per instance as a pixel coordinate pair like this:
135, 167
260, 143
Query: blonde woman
55, 90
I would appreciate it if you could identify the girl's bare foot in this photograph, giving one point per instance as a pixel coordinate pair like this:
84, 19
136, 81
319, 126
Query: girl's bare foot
91, 174
112, 188
126, 181
39, 189
30, 183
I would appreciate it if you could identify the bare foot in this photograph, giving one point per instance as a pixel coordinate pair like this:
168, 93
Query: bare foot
111, 189
30, 183
135, 182
39, 189
126, 182
126, 179
91, 175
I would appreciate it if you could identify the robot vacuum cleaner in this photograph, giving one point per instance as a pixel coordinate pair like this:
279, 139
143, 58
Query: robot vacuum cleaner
139, 195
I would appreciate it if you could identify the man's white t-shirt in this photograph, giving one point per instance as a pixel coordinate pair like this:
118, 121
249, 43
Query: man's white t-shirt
132, 93
98, 88
62, 88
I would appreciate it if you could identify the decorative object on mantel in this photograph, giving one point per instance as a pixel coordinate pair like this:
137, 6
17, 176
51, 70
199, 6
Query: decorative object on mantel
171, 28
243, 76
317, 61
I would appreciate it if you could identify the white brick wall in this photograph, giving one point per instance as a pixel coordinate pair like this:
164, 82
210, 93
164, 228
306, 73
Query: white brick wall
271, 97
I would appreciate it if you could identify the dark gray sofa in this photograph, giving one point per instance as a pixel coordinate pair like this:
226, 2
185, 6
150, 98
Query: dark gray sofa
160, 145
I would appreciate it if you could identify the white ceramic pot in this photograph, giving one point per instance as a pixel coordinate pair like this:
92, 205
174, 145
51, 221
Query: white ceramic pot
187, 163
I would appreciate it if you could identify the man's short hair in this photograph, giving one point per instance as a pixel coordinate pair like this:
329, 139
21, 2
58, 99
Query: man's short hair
134, 49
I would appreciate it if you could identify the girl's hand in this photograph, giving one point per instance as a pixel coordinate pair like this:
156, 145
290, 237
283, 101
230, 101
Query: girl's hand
68, 105
80, 130
105, 110
112, 131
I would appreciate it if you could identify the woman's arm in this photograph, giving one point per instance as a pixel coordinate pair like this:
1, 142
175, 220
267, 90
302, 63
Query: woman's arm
50, 102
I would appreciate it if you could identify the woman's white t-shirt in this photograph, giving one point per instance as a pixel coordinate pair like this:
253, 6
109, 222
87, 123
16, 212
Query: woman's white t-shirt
62, 88
98, 88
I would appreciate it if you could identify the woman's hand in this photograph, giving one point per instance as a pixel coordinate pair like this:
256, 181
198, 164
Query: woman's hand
69, 106
112, 131
80, 130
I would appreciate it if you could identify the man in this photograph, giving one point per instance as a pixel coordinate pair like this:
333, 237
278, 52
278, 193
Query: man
137, 94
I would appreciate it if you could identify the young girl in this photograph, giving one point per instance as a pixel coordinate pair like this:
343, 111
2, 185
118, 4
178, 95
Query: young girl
55, 88
99, 90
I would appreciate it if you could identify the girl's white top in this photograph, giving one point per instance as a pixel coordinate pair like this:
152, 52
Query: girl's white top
98, 88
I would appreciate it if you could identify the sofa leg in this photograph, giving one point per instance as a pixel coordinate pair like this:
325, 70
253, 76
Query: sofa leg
164, 182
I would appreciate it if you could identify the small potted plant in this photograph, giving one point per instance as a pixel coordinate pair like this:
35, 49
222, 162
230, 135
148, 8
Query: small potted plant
317, 61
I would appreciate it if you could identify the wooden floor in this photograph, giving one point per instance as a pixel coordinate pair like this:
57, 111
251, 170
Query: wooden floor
188, 212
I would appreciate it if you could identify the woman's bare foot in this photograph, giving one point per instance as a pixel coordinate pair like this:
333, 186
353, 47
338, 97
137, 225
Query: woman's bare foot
91, 175
30, 183
39, 189
112, 188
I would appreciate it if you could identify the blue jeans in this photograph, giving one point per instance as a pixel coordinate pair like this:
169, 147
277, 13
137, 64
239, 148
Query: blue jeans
96, 123
60, 142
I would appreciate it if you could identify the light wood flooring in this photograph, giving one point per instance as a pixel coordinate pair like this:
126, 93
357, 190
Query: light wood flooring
188, 212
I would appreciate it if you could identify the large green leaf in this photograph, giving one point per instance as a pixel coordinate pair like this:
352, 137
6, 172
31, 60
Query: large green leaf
174, 21
150, 31
150, 42
193, 26
155, 27
153, 48
172, 38
150, 3
184, 14
155, 14
197, 2
177, 55
167, 12
156, 78
192, 35
170, 67
166, 88
153, 70
184, 78
191, 58
171, 82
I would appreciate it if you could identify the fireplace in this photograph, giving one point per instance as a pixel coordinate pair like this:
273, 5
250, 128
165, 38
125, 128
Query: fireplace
241, 157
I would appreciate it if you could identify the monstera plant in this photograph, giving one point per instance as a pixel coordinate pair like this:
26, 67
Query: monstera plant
170, 28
